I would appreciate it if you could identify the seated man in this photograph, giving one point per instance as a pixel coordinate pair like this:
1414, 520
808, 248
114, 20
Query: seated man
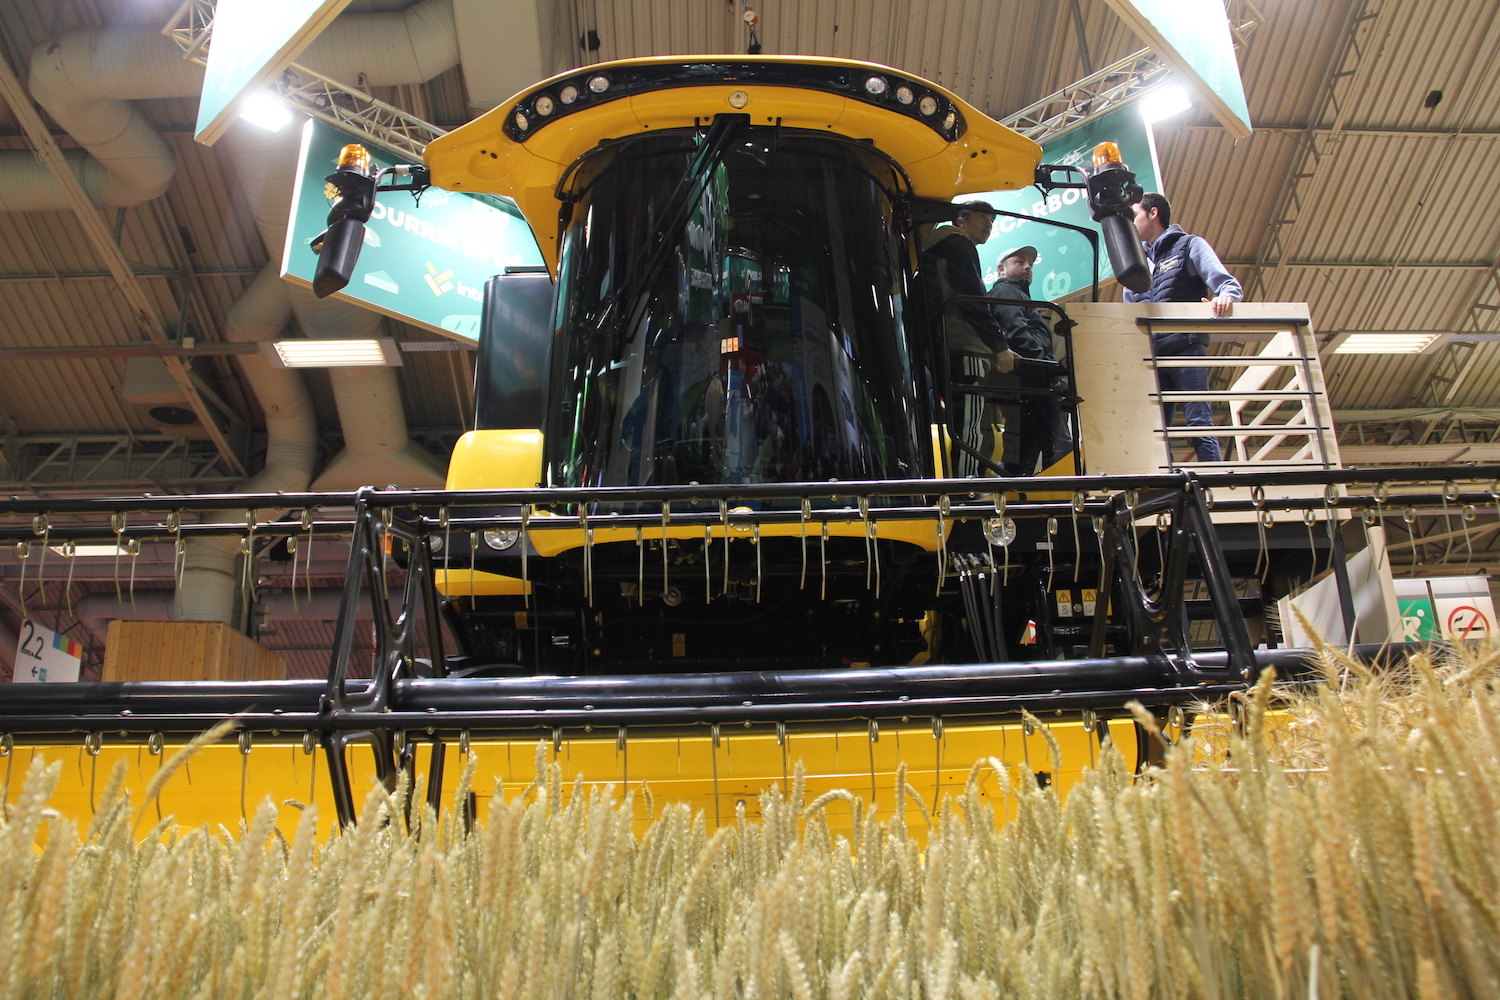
976, 346
1032, 426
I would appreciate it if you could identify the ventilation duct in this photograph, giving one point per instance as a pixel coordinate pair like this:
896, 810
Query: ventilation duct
86, 80
377, 450
209, 581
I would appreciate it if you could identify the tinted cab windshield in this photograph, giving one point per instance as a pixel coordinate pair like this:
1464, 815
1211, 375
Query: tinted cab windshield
765, 338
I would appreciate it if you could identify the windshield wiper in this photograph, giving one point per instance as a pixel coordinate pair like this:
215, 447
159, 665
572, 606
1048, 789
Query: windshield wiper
678, 208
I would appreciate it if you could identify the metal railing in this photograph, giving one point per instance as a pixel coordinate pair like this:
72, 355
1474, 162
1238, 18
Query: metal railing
411, 699
1042, 376
1274, 404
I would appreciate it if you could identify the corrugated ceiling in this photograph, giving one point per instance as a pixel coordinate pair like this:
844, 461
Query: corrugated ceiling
1396, 230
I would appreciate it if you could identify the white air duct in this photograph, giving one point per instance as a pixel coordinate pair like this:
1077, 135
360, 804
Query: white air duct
86, 79
388, 49
377, 450
260, 313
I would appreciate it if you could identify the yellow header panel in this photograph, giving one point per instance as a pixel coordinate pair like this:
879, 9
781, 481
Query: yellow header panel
521, 152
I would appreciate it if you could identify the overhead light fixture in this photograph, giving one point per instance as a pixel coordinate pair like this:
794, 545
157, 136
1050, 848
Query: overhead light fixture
265, 111
1386, 343
304, 353
86, 551
1164, 102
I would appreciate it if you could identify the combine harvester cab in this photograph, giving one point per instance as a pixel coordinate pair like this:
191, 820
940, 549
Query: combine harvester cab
707, 525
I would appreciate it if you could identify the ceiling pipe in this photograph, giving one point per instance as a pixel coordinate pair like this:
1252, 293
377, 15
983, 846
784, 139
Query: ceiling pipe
87, 79
377, 449
209, 581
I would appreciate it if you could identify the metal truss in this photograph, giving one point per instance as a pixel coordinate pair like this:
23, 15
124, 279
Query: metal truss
411, 697
1315, 145
338, 104
54, 462
1458, 539
1453, 365
1114, 86
1095, 95
1426, 437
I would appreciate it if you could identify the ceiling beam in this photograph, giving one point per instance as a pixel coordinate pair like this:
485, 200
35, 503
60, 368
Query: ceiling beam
1472, 534
1450, 369
25, 277
1443, 454
1372, 265
1478, 414
1372, 131
147, 320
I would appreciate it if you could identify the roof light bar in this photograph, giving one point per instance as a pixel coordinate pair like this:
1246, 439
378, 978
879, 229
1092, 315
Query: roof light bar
1386, 343
332, 353
583, 90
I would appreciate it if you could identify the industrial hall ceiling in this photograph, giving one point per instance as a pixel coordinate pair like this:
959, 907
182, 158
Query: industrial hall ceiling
1370, 190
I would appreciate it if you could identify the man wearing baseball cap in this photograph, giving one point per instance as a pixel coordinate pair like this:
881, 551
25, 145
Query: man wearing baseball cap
1032, 421
976, 344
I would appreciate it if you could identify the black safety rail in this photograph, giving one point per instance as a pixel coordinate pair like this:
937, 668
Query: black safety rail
410, 699
952, 391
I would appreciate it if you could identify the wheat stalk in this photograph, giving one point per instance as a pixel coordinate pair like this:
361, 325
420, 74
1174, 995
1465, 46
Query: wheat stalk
1343, 850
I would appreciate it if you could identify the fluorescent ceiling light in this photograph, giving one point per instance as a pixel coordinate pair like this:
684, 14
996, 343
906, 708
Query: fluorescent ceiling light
332, 353
265, 111
1164, 102
85, 551
1386, 343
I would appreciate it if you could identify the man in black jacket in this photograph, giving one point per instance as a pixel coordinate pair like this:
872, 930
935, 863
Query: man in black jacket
1032, 422
976, 346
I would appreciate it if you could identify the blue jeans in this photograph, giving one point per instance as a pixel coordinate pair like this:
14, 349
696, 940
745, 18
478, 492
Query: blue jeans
1197, 414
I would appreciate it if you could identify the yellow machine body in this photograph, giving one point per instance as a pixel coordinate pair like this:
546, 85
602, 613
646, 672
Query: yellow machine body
221, 785
480, 158
512, 459
717, 773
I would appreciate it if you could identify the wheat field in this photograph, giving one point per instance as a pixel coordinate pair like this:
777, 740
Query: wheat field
1338, 843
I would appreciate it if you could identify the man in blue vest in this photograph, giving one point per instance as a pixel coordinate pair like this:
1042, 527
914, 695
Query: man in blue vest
1184, 268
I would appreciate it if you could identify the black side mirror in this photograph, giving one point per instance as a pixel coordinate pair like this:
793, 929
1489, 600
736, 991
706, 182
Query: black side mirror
338, 246
1112, 192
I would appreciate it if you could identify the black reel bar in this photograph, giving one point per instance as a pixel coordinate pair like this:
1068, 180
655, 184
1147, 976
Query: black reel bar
412, 698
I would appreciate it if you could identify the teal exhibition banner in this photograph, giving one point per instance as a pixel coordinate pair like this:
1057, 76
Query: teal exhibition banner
252, 41
425, 260
1192, 37
1065, 259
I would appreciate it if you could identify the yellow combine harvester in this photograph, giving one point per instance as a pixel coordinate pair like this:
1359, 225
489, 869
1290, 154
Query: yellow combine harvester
706, 526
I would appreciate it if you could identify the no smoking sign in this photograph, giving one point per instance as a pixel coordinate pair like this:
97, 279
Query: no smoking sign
1467, 622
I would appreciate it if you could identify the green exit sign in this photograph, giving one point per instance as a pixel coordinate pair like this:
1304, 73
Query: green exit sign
425, 258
